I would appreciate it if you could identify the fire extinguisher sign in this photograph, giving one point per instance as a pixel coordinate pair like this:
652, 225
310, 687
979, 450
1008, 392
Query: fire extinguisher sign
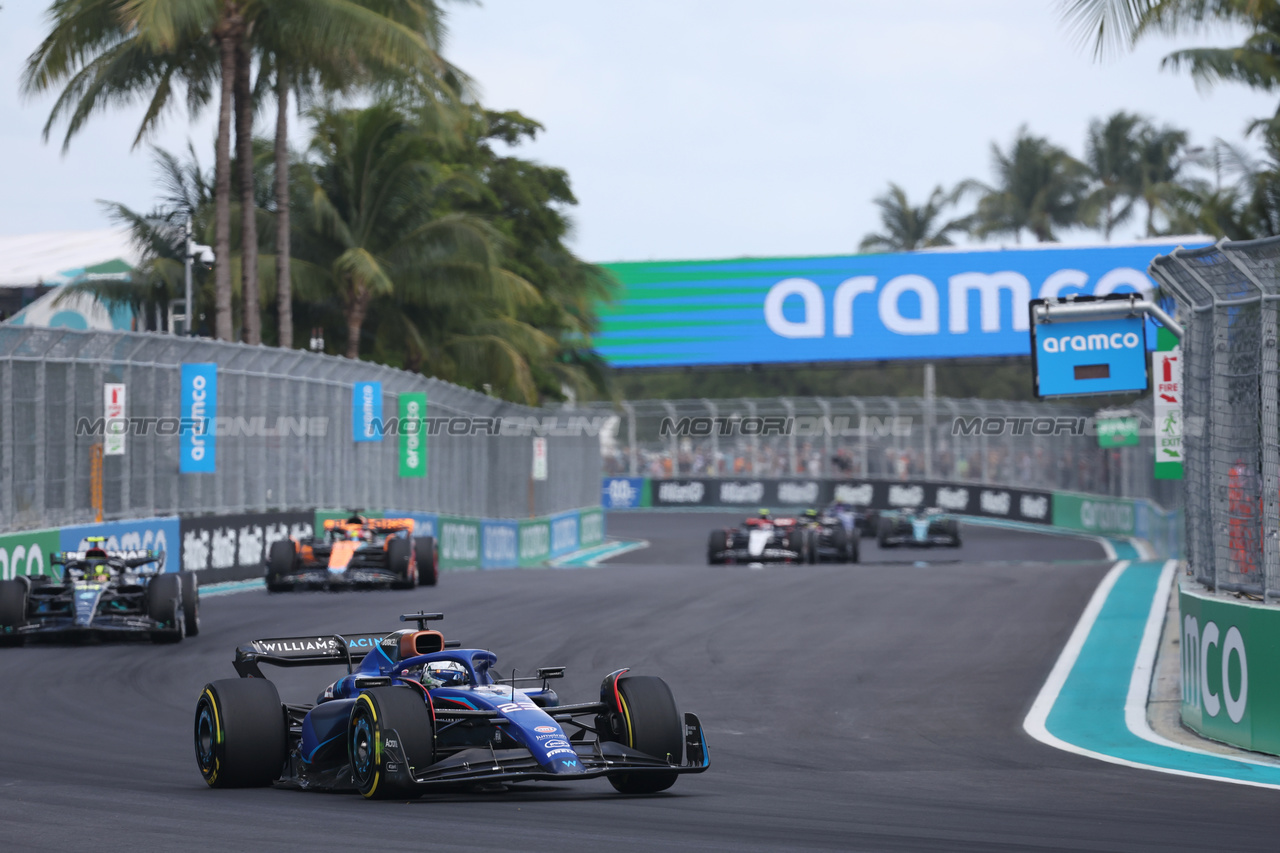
1166, 375
117, 424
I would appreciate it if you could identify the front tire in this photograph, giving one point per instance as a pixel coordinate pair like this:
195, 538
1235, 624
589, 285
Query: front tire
390, 735
190, 602
717, 544
164, 605
13, 611
241, 733
649, 722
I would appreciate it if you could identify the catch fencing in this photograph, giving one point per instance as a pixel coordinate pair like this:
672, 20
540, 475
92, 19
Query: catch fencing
1044, 446
1227, 299
52, 390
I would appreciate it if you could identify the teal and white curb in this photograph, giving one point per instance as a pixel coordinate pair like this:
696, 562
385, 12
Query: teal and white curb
1094, 702
591, 557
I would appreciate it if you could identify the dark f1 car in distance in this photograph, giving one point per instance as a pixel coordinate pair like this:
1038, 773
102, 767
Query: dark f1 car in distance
827, 539
415, 714
101, 594
354, 552
920, 528
763, 539
858, 520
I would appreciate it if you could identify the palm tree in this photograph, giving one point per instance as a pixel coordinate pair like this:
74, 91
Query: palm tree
1164, 157
1113, 25
1113, 153
329, 47
907, 228
160, 238
106, 52
373, 230
1039, 186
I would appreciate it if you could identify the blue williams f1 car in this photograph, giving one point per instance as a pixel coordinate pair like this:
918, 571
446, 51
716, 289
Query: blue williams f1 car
101, 594
415, 714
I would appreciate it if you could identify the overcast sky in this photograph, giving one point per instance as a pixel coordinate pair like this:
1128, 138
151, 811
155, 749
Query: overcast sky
702, 128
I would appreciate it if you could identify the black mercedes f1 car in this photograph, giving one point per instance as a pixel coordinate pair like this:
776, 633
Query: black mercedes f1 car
101, 594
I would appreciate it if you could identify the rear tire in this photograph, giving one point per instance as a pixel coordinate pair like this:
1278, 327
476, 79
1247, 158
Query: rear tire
379, 716
650, 723
811, 545
164, 605
718, 543
13, 611
842, 544
428, 560
883, 532
281, 560
190, 602
400, 561
795, 542
241, 734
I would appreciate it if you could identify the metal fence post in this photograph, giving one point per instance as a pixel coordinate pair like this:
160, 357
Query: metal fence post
715, 440
929, 421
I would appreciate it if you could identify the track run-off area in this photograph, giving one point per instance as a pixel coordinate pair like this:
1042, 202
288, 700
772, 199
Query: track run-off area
876, 706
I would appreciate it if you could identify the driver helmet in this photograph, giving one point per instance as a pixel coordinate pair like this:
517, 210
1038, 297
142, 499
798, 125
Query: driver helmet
443, 674
810, 513
764, 514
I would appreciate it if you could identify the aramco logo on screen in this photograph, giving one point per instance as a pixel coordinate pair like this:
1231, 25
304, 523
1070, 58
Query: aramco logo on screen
925, 300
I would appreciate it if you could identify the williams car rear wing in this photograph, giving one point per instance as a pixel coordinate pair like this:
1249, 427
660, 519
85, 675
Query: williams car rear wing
316, 650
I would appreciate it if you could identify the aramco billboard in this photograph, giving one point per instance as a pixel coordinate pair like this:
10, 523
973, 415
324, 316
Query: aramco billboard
935, 304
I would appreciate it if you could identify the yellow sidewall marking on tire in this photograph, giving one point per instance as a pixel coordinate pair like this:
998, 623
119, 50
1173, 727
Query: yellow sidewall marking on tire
626, 715
377, 744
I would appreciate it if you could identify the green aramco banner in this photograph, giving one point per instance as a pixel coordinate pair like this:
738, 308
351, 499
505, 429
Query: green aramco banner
413, 435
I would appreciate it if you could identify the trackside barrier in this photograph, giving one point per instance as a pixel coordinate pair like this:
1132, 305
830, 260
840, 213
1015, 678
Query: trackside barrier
234, 547
1228, 691
1094, 514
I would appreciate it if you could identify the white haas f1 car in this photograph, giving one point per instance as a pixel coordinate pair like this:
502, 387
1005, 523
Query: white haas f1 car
919, 528
763, 539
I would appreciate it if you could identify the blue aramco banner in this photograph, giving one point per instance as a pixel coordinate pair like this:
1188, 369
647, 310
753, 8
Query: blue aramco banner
197, 444
366, 411
934, 304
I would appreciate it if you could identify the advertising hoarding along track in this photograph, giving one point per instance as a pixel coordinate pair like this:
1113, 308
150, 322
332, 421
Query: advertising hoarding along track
965, 498
945, 304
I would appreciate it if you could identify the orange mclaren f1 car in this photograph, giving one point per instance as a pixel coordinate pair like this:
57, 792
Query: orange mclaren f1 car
354, 552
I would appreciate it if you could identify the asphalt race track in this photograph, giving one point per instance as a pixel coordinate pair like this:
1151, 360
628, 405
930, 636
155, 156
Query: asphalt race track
867, 707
